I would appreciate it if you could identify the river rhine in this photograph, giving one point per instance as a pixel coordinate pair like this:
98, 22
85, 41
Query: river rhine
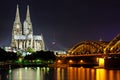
69, 73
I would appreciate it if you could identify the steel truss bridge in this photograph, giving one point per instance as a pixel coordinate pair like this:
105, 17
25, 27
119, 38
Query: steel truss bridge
88, 52
96, 47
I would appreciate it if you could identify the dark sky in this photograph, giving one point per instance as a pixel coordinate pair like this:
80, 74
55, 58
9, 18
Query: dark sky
66, 21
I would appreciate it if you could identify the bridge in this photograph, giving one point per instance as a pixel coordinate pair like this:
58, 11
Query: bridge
87, 60
87, 53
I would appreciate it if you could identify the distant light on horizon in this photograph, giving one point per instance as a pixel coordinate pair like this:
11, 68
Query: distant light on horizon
53, 42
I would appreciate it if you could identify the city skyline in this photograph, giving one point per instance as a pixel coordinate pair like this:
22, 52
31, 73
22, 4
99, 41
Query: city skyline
65, 22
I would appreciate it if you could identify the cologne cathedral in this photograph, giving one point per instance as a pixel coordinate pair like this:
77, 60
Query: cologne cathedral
22, 34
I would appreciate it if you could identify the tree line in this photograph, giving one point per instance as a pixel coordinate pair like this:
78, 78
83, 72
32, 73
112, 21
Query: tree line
42, 55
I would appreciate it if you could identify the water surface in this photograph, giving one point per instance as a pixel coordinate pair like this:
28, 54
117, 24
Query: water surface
70, 73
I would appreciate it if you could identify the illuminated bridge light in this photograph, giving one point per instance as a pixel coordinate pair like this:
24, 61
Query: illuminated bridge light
101, 62
70, 61
59, 61
81, 61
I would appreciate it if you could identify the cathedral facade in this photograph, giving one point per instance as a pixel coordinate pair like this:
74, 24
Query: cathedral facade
22, 34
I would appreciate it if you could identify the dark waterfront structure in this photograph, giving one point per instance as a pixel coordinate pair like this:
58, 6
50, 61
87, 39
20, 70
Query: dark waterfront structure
112, 61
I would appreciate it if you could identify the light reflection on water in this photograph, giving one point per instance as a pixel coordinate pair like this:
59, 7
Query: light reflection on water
28, 73
70, 73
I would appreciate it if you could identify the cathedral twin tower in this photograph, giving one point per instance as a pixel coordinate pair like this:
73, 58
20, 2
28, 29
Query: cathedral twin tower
22, 37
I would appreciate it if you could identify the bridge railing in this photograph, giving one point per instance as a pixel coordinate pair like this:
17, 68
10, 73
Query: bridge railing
72, 55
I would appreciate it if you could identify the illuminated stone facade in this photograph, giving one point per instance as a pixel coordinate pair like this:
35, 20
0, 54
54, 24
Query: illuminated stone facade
22, 37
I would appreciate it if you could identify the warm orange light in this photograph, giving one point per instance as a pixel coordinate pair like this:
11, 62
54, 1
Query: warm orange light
81, 61
101, 62
59, 61
70, 61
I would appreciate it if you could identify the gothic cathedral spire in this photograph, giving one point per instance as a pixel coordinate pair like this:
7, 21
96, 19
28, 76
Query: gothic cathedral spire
27, 27
28, 14
17, 18
17, 29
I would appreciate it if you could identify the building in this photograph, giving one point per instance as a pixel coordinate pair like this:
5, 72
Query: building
22, 35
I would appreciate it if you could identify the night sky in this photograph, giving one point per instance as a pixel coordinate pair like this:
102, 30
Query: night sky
67, 22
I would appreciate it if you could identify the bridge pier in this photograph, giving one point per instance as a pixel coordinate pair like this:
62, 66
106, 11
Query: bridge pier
80, 60
108, 61
112, 61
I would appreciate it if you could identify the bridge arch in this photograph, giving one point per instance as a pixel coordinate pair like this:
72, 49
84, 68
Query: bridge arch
88, 47
116, 48
113, 45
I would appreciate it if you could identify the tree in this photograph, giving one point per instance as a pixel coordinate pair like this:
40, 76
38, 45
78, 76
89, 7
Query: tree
31, 50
